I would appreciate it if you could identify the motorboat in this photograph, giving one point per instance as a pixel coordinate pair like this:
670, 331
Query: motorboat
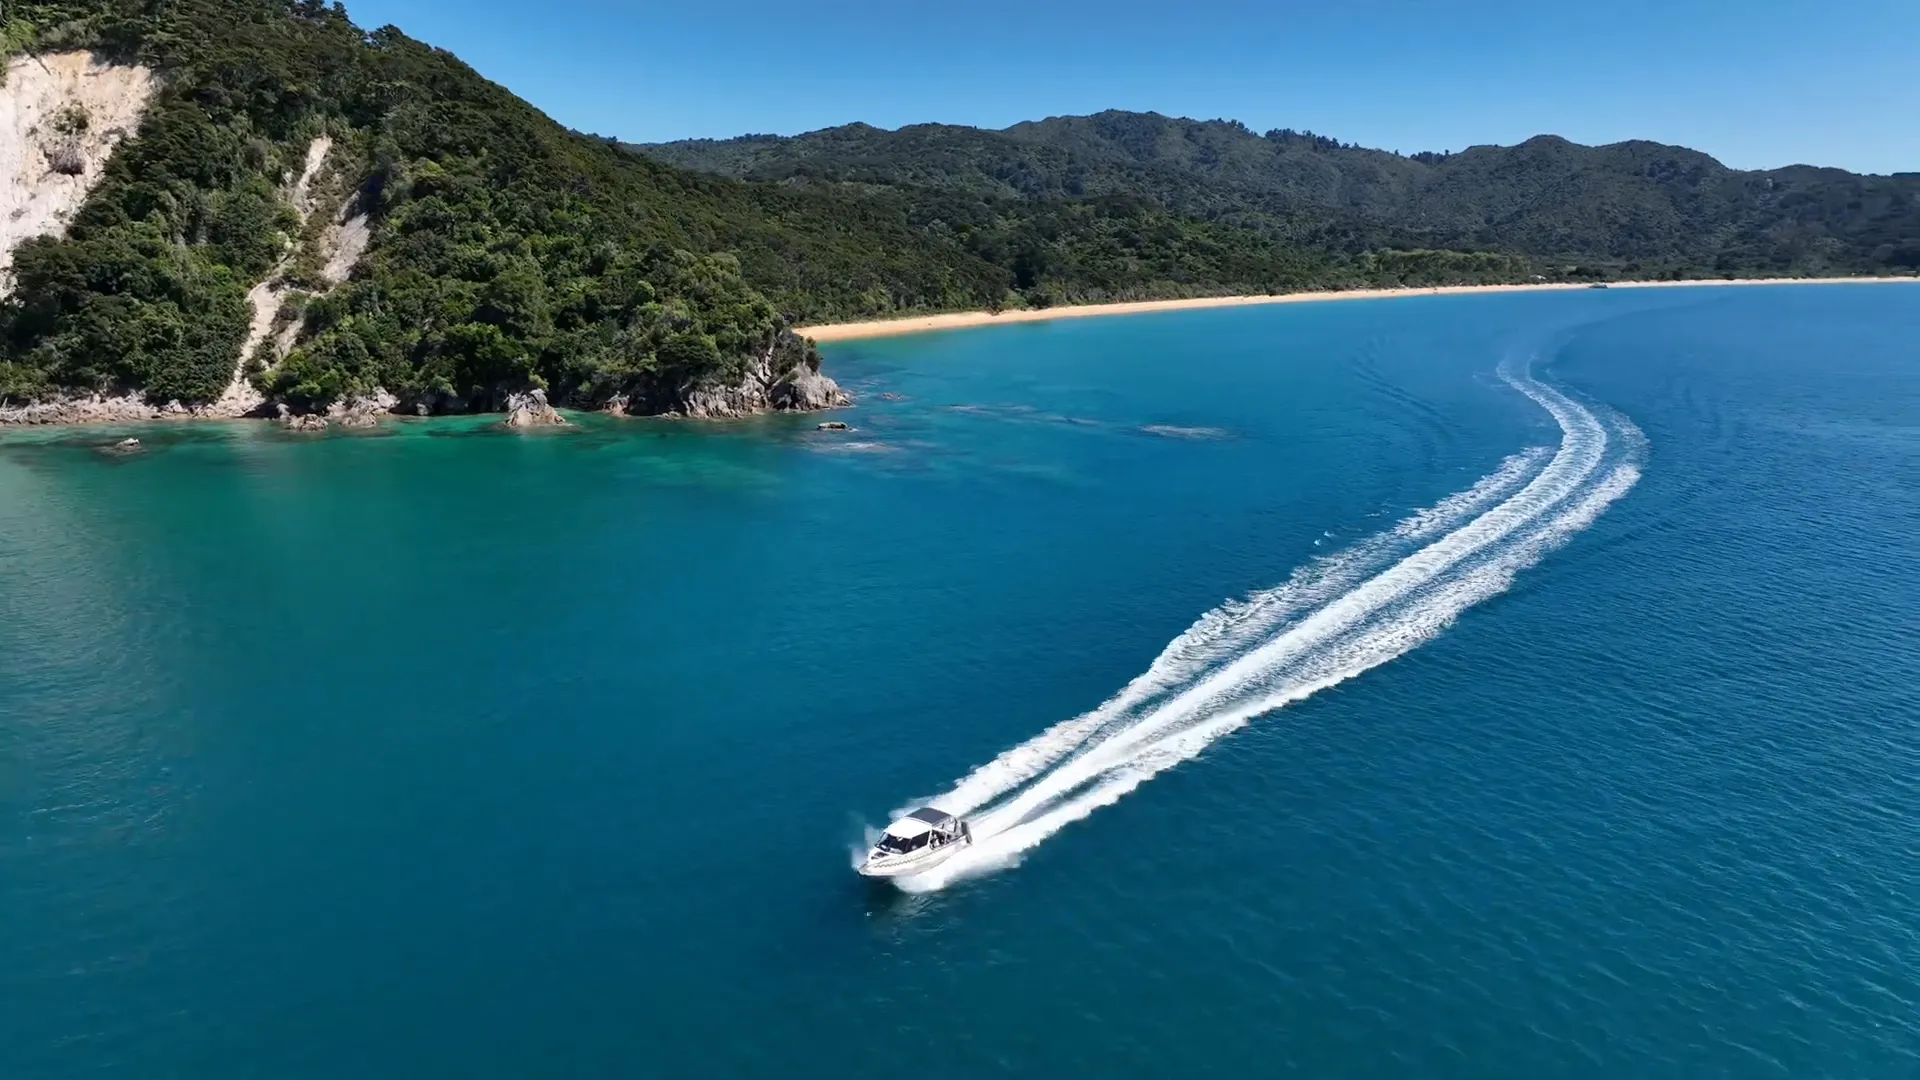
916, 842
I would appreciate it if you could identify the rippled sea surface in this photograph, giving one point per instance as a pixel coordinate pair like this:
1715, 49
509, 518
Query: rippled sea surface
451, 752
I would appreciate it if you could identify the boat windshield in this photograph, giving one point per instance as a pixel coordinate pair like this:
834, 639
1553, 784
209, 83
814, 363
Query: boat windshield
897, 845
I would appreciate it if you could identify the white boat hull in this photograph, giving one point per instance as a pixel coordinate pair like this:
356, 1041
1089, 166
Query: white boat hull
913, 862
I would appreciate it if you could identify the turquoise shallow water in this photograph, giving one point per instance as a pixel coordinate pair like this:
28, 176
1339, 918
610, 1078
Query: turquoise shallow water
448, 752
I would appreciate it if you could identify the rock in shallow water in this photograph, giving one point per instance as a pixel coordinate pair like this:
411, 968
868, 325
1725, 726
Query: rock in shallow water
804, 388
531, 410
300, 421
362, 410
778, 378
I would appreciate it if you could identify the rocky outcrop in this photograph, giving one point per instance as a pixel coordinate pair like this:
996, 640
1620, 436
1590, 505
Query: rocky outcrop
531, 410
782, 376
362, 410
723, 402
361, 414
293, 421
301, 421
94, 409
357, 411
804, 389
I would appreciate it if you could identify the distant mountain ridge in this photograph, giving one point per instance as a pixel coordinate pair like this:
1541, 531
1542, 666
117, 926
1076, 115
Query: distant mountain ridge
1635, 202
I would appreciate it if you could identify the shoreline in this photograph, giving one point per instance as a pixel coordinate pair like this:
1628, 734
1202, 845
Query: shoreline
962, 320
130, 410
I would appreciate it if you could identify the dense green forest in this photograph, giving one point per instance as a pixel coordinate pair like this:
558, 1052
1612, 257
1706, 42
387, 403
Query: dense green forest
508, 252
1633, 208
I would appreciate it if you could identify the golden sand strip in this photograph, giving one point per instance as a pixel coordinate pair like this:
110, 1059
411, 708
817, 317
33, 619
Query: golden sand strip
960, 320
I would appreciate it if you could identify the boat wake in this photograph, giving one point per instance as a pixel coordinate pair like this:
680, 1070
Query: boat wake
1336, 617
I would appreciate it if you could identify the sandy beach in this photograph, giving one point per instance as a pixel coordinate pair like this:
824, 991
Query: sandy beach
959, 320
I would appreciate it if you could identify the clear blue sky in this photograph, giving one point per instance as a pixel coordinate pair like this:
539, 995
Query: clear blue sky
1756, 83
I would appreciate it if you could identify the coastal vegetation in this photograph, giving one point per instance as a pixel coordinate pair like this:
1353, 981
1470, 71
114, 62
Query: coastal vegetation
1631, 209
505, 253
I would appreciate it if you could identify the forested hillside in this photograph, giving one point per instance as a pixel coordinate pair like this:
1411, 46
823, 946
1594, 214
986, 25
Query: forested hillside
507, 251
317, 211
1634, 207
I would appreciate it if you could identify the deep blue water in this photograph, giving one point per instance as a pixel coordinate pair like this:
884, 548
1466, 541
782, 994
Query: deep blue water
459, 753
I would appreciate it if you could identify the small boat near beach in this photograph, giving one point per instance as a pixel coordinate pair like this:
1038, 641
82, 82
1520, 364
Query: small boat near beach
916, 842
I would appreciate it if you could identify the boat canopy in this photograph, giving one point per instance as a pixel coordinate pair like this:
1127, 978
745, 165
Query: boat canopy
922, 820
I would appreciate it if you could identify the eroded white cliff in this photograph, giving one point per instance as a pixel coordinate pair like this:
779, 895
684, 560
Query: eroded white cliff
61, 115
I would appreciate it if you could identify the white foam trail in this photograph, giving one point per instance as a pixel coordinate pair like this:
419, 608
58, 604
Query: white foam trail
1445, 513
1578, 456
1395, 637
1222, 630
1185, 702
1225, 629
1582, 445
